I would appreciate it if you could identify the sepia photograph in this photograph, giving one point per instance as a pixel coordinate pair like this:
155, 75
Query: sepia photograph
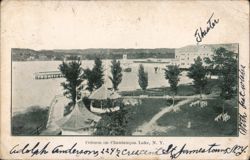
186, 91
124, 79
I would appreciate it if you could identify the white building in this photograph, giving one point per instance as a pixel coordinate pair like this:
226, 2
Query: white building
185, 56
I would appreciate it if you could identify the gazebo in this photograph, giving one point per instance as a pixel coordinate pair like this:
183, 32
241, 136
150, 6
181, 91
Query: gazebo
80, 121
104, 100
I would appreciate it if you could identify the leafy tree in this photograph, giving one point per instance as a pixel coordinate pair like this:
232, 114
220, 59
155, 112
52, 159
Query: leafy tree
198, 73
72, 72
114, 123
225, 63
210, 67
143, 77
89, 76
172, 73
98, 73
95, 76
116, 71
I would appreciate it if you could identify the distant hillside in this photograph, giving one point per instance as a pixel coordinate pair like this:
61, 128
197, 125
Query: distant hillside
19, 54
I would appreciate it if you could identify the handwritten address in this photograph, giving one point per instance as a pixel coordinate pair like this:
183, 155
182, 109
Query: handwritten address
171, 150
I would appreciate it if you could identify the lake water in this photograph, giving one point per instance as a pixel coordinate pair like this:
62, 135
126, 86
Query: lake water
26, 91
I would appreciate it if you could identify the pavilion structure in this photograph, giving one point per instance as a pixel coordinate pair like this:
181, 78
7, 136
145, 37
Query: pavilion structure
79, 122
104, 100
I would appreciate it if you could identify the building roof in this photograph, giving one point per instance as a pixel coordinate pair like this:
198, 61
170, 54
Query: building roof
80, 118
188, 48
103, 93
195, 48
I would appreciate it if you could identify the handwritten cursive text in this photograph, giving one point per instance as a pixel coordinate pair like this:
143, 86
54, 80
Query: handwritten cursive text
201, 33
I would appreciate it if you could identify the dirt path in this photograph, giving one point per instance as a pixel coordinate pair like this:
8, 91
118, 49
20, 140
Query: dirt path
151, 125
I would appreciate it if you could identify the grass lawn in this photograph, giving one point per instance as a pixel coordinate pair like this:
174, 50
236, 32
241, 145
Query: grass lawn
202, 120
145, 111
183, 90
27, 123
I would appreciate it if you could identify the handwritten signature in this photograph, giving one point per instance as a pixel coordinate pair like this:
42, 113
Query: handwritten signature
201, 33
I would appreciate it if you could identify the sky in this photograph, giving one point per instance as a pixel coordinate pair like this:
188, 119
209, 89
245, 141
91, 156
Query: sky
123, 24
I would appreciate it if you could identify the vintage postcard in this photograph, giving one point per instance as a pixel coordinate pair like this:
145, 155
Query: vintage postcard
124, 80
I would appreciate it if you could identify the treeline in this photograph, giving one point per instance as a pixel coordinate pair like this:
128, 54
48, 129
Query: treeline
19, 54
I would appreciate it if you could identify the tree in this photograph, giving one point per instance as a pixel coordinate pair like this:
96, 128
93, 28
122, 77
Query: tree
142, 77
72, 72
94, 76
114, 123
198, 73
225, 64
98, 73
172, 73
89, 76
209, 67
116, 71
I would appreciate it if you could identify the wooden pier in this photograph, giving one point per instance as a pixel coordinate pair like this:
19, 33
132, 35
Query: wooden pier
48, 75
